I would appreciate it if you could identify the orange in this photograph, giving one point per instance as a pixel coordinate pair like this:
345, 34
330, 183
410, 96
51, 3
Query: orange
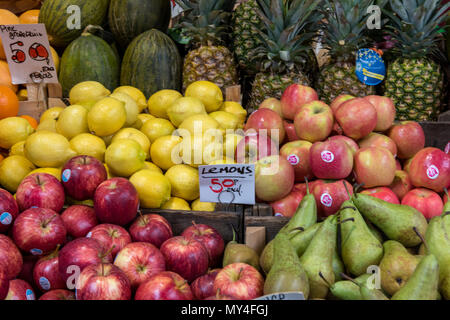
6, 17
1, 158
9, 103
32, 121
5, 76
29, 17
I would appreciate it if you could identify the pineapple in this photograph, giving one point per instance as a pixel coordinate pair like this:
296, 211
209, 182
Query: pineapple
206, 22
414, 81
344, 32
284, 56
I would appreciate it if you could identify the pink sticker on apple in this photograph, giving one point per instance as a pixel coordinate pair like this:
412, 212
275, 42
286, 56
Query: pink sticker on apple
327, 156
293, 159
326, 199
66, 175
432, 172
5, 218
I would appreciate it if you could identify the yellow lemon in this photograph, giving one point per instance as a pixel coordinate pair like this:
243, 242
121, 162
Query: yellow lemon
223, 161
175, 203
13, 130
230, 144
165, 151
136, 94
18, 149
153, 188
226, 120
47, 125
108, 139
108, 172
199, 124
48, 149
88, 104
52, 113
22, 95
200, 150
209, 93
87, 91
89, 145
152, 166
124, 157
107, 117
56, 172
156, 128
236, 109
160, 101
144, 117
197, 205
71, 201
72, 121
12, 171
136, 135
55, 58
183, 108
131, 107
184, 181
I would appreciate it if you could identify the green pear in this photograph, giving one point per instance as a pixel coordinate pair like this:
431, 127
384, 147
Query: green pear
338, 265
396, 221
377, 234
238, 252
348, 290
359, 247
366, 289
286, 274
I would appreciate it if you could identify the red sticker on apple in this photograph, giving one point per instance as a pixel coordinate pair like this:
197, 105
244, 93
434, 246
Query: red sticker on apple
327, 156
326, 199
293, 159
432, 172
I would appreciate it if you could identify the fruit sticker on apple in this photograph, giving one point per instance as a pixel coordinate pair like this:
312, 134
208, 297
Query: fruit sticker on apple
326, 199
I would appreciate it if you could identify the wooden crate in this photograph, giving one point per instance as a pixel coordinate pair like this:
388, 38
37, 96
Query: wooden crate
41, 98
270, 225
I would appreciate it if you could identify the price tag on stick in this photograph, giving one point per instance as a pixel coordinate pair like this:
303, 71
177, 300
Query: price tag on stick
227, 183
28, 53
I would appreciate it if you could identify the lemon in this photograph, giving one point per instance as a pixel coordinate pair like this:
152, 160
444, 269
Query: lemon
72, 121
153, 188
165, 151
160, 101
230, 144
184, 181
183, 108
236, 109
52, 113
47, 125
89, 145
156, 128
223, 161
17, 149
48, 149
136, 135
175, 203
197, 205
88, 104
87, 91
108, 172
108, 139
200, 150
136, 94
199, 124
209, 93
131, 107
88, 202
107, 117
124, 157
12, 171
152, 166
22, 95
13, 130
226, 120
144, 117
56, 172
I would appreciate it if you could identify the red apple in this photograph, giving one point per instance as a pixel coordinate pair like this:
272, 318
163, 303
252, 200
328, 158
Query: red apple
268, 122
340, 100
240, 281
401, 184
274, 178
314, 121
337, 129
77, 255
287, 206
272, 104
151, 228
349, 141
20, 290
409, 138
164, 286
303, 188
426, 201
294, 97
79, 220
210, 238
9, 210
378, 140
116, 201
430, 168
4, 285
357, 118
332, 159
218, 296
203, 286
291, 134
81, 175
330, 196
185, 256
382, 193
58, 294
297, 153
113, 238
406, 164
398, 165
374, 167
27, 268
38, 231
40, 190
11, 260
385, 111
46, 275
254, 146
103, 281
140, 261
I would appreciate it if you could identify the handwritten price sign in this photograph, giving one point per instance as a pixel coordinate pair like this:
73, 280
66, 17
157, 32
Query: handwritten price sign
28, 53
227, 183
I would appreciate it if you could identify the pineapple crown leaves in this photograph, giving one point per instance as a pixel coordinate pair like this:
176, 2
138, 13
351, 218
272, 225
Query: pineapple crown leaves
415, 26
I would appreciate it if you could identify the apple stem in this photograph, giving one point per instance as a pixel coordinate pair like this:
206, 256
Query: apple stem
218, 294
108, 252
343, 275
38, 179
323, 278
45, 224
140, 214
239, 274
346, 189
307, 185
421, 238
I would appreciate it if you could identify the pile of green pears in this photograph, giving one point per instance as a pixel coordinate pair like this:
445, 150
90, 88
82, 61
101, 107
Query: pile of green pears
369, 250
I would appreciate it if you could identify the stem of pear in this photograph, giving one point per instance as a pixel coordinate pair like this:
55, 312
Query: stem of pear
323, 278
348, 219
421, 238
343, 275
307, 185
346, 189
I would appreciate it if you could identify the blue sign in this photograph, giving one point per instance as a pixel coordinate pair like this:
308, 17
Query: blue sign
370, 67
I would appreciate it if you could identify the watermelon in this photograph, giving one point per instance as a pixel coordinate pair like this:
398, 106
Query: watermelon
89, 58
65, 20
129, 18
152, 63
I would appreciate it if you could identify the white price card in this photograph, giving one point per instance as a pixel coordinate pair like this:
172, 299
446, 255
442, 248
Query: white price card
28, 53
227, 183
283, 296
